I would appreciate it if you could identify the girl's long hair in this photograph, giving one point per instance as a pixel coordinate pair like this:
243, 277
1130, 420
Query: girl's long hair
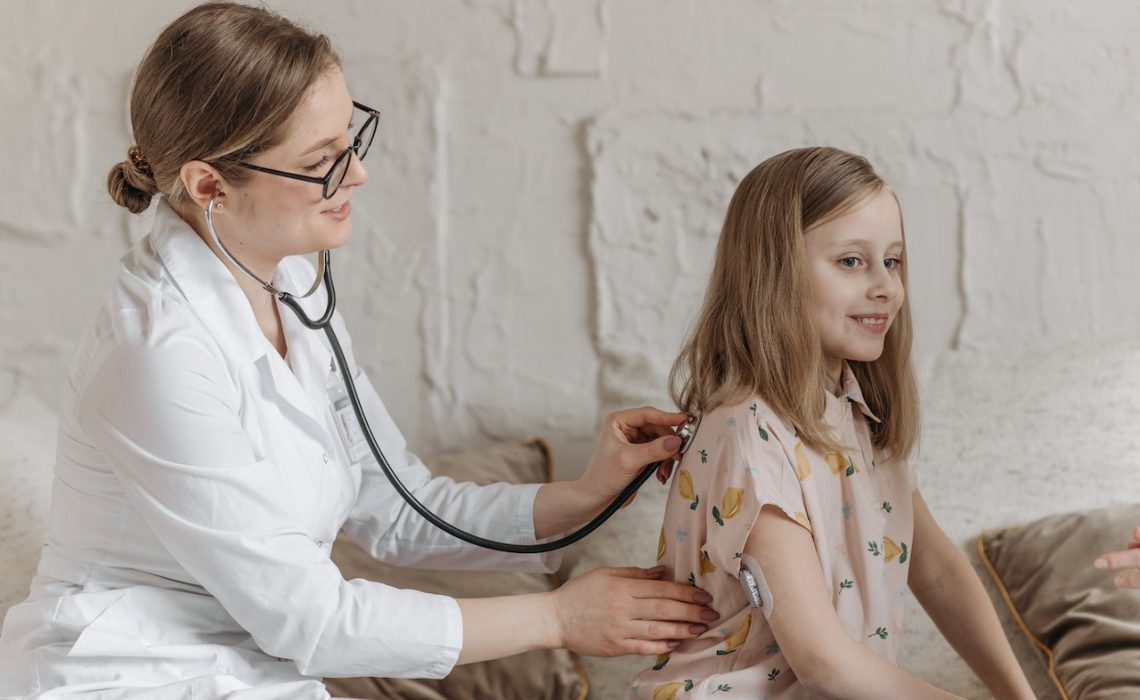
755, 334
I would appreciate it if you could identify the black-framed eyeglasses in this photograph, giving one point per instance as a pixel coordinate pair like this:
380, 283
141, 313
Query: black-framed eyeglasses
332, 179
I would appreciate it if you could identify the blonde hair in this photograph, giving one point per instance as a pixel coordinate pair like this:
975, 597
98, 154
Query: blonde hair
219, 84
755, 334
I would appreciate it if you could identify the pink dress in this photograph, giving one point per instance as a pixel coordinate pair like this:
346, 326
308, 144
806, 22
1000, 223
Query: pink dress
859, 511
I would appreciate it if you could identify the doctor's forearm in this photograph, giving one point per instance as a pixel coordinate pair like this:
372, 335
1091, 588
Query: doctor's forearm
562, 506
498, 627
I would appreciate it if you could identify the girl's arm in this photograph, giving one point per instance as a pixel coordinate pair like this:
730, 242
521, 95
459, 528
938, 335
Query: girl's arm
824, 658
951, 593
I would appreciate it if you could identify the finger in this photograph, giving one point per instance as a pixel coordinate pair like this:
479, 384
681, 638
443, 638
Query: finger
647, 415
636, 572
655, 630
644, 647
1136, 535
1126, 559
655, 430
661, 449
665, 470
1128, 579
666, 610
670, 590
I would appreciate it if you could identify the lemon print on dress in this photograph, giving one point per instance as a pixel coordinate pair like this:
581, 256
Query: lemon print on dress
733, 641
661, 543
729, 505
840, 464
672, 691
685, 488
803, 467
707, 567
892, 550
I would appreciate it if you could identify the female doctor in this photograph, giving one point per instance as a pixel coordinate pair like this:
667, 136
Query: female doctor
201, 480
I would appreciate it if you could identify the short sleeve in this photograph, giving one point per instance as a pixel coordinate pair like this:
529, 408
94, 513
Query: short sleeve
756, 471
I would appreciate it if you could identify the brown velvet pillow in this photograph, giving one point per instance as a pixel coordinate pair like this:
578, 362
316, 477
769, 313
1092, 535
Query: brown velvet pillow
536, 675
1087, 630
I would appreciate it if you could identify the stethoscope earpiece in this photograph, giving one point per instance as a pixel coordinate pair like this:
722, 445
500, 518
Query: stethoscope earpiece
322, 261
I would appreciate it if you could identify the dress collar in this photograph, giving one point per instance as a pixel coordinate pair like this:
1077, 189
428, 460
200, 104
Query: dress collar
852, 393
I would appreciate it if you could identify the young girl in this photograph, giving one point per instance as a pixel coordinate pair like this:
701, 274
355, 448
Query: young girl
800, 368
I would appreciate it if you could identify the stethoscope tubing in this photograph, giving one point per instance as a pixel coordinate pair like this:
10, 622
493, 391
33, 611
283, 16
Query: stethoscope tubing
324, 323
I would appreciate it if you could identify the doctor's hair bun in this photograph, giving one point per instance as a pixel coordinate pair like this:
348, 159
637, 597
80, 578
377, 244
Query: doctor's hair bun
130, 187
219, 85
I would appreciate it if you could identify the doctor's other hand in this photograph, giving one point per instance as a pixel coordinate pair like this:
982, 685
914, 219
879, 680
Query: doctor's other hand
629, 441
618, 611
1128, 558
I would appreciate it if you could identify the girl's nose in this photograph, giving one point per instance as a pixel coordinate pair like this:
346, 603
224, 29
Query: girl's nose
885, 285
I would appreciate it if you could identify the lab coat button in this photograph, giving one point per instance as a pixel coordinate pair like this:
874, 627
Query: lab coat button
325, 457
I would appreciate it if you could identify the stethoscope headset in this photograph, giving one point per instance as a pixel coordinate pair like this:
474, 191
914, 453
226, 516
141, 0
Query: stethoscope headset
324, 323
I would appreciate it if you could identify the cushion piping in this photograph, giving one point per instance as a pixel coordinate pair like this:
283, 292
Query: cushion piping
1041, 646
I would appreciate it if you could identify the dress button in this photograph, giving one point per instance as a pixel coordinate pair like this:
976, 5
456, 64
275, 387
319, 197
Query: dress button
325, 457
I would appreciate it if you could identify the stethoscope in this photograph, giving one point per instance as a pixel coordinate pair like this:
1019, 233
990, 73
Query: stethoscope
324, 275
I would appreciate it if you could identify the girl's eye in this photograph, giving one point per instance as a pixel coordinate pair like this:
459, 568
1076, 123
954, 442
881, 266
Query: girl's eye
892, 263
849, 263
318, 164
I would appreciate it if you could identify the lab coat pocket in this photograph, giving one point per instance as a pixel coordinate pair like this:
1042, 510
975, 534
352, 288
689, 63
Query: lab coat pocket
112, 632
144, 619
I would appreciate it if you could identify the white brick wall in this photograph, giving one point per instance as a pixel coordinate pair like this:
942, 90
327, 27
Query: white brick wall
550, 176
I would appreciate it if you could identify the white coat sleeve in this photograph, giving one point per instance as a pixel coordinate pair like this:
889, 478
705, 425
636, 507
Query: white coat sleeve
390, 530
165, 416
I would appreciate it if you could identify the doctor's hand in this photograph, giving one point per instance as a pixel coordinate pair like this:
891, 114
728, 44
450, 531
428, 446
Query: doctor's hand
617, 611
629, 441
1128, 558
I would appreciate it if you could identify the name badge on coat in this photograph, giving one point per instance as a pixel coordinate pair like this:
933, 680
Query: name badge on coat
351, 434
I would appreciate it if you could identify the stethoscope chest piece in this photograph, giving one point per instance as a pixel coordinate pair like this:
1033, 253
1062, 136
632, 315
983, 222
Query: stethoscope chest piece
686, 433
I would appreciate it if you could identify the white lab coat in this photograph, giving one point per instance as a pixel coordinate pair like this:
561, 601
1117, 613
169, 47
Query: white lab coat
199, 485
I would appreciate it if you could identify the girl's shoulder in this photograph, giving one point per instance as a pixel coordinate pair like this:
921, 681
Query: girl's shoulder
750, 411
747, 430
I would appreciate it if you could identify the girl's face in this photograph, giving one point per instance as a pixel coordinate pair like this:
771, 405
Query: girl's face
854, 262
272, 217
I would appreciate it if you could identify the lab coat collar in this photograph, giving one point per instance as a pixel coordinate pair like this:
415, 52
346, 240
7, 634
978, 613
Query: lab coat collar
210, 287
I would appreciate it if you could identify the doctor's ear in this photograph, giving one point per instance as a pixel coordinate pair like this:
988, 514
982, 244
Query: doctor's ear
200, 180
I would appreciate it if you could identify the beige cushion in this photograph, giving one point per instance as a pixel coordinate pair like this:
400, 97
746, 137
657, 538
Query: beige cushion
1087, 630
536, 675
